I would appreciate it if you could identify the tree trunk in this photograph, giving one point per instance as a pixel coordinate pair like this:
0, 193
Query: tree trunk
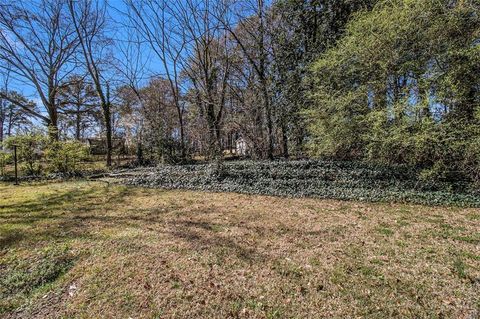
3, 116
78, 123
52, 125
263, 80
105, 101
182, 135
108, 129
467, 108
285, 141
426, 104
139, 153
1, 134
10, 123
215, 148
268, 114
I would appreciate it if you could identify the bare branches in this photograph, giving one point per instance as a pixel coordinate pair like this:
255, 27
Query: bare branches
88, 19
37, 45
212, 56
155, 21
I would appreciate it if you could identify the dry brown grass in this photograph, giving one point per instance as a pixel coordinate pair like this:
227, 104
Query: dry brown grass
145, 253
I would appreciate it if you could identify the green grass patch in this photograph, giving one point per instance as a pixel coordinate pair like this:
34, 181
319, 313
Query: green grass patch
385, 230
21, 276
460, 268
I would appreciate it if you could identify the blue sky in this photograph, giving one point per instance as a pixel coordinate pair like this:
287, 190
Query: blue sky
118, 32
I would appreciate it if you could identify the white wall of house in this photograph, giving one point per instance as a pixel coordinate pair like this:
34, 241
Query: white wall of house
241, 147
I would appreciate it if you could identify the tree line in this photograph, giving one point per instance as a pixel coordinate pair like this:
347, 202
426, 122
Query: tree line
389, 81
402, 87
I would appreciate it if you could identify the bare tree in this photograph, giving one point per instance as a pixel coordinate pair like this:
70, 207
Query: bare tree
17, 108
4, 104
154, 21
208, 62
36, 45
12, 117
131, 65
89, 21
246, 21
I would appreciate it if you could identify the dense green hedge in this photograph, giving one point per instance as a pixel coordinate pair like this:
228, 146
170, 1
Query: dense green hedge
321, 179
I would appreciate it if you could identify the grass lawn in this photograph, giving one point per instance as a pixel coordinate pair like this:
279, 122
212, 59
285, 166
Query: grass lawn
92, 250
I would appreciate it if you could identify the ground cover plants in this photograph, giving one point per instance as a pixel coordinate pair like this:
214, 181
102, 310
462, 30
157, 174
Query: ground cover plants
310, 178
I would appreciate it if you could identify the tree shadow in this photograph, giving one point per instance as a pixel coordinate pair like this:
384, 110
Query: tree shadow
10, 239
189, 232
65, 213
81, 213
53, 202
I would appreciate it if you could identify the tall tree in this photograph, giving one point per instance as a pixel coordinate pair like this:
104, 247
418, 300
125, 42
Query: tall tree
78, 104
247, 23
208, 63
37, 44
14, 119
401, 86
160, 119
303, 31
155, 21
89, 21
132, 66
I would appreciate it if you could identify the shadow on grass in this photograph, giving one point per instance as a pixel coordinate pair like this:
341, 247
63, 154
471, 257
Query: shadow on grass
26, 220
80, 213
188, 231
10, 239
52, 202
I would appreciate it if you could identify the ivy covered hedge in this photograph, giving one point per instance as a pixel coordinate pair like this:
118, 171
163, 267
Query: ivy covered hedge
309, 178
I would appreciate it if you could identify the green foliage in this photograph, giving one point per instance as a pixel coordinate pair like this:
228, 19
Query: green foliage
322, 179
459, 268
402, 87
5, 159
29, 150
38, 153
65, 156
305, 30
20, 277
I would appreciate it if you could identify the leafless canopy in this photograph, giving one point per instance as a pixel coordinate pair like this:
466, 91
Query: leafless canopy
37, 42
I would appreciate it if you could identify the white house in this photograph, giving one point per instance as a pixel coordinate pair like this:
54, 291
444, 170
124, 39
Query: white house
241, 147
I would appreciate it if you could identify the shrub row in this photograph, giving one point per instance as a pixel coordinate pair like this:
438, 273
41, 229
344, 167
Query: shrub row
320, 179
38, 155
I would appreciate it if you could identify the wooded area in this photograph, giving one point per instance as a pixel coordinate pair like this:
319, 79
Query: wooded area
388, 81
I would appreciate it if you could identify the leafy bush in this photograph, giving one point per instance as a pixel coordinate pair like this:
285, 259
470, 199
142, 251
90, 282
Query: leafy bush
29, 150
65, 157
321, 179
377, 95
5, 159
